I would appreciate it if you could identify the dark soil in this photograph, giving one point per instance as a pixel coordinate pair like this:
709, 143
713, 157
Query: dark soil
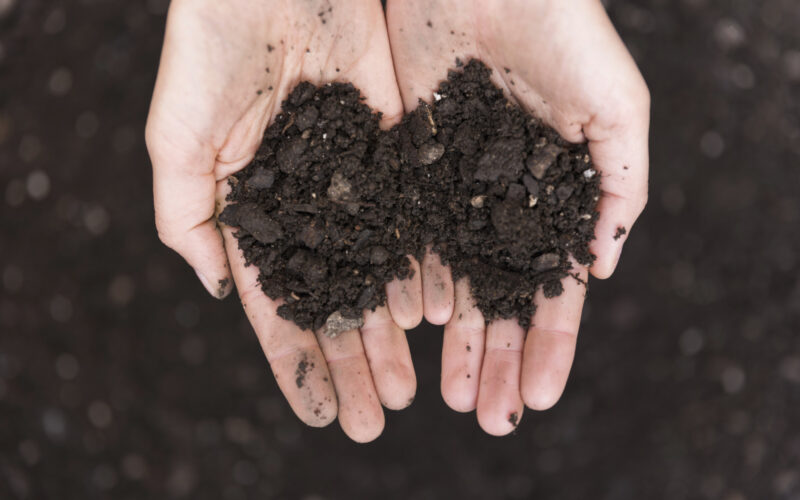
331, 205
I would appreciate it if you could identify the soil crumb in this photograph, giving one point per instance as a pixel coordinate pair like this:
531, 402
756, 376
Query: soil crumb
621, 231
303, 367
223, 287
513, 419
331, 205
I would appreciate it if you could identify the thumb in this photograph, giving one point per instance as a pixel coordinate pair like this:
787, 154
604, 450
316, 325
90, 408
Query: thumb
183, 191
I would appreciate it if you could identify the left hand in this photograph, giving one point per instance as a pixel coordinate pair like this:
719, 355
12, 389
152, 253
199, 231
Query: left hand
565, 63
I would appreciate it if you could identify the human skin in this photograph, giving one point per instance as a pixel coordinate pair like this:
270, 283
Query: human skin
563, 62
225, 68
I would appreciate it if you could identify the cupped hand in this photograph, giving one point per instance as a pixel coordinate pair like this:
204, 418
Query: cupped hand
565, 63
225, 68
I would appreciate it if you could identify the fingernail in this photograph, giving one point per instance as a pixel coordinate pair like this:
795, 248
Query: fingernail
207, 284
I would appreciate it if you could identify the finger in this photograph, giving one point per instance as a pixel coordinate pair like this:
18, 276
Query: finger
413, 35
622, 160
550, 344
360, 412
462, 351
293, 354
618, 142
373, 71
499, 403
437, 289
183, 191
404, 298
389, 359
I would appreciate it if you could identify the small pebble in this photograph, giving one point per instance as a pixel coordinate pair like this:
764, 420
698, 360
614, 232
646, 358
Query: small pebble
430, 152
478, 201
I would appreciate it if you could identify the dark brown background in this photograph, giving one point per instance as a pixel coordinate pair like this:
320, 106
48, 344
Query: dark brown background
120, 378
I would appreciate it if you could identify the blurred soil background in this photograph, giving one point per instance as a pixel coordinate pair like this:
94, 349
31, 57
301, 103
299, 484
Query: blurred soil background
120, 378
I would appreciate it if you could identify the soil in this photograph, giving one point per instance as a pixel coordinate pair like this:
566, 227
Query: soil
331, 205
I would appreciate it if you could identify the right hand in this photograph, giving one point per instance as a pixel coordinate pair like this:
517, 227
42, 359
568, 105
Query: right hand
225, 69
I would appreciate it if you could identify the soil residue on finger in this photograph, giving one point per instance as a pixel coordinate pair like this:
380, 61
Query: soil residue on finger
513, 419
331, 205
621, 231
223, 287
303, 367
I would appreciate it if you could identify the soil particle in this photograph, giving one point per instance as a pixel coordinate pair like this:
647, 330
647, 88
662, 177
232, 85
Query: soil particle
546, 261
303, 367
430, 152
469, 349
621, 231
539, 161
337, 323
513, 419
223, 287
331, 205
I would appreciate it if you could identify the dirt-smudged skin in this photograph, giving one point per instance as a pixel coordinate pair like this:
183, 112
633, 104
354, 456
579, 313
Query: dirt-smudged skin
331, 204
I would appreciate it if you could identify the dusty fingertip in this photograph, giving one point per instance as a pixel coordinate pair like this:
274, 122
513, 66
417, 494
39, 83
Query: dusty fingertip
499, 424
401, 398
322, 414
224, 287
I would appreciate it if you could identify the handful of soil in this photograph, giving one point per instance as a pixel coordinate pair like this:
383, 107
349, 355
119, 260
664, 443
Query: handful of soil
331, 205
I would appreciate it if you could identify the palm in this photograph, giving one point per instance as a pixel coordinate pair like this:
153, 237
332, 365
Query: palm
225, 68
564, 63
